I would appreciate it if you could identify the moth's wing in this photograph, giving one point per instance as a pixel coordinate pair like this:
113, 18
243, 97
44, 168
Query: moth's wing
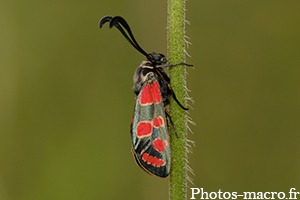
149, 131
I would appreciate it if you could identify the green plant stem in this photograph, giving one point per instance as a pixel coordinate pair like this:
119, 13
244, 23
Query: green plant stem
176, 45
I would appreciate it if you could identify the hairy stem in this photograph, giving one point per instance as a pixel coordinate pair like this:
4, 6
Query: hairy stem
176, 54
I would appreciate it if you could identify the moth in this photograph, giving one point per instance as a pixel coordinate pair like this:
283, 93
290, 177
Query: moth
149, 128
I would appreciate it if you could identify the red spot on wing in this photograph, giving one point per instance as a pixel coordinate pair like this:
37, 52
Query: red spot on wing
159, 145
146, 95
158, 121
144, 129
156, 92
149, 94
153, 160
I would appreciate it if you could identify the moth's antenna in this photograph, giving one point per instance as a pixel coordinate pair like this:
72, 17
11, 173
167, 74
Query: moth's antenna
117, 22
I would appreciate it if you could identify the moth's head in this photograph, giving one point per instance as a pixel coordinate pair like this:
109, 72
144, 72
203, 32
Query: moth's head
157, 59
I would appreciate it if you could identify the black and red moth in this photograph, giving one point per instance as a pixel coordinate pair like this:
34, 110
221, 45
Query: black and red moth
149, 128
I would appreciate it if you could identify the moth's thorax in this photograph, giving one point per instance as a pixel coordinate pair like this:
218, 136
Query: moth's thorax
144, 72
148, 77
147, 65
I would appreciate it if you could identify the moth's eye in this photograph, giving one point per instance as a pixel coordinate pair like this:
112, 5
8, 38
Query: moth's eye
156, 57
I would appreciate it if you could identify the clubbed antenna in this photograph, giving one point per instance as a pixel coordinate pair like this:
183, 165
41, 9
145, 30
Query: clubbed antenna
118, 22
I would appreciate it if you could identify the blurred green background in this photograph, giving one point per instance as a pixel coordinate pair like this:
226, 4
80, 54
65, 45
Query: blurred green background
66, 97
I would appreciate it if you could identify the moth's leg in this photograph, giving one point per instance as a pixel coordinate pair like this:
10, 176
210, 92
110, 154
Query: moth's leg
167, 82
172, 65
174, 97
167, 114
